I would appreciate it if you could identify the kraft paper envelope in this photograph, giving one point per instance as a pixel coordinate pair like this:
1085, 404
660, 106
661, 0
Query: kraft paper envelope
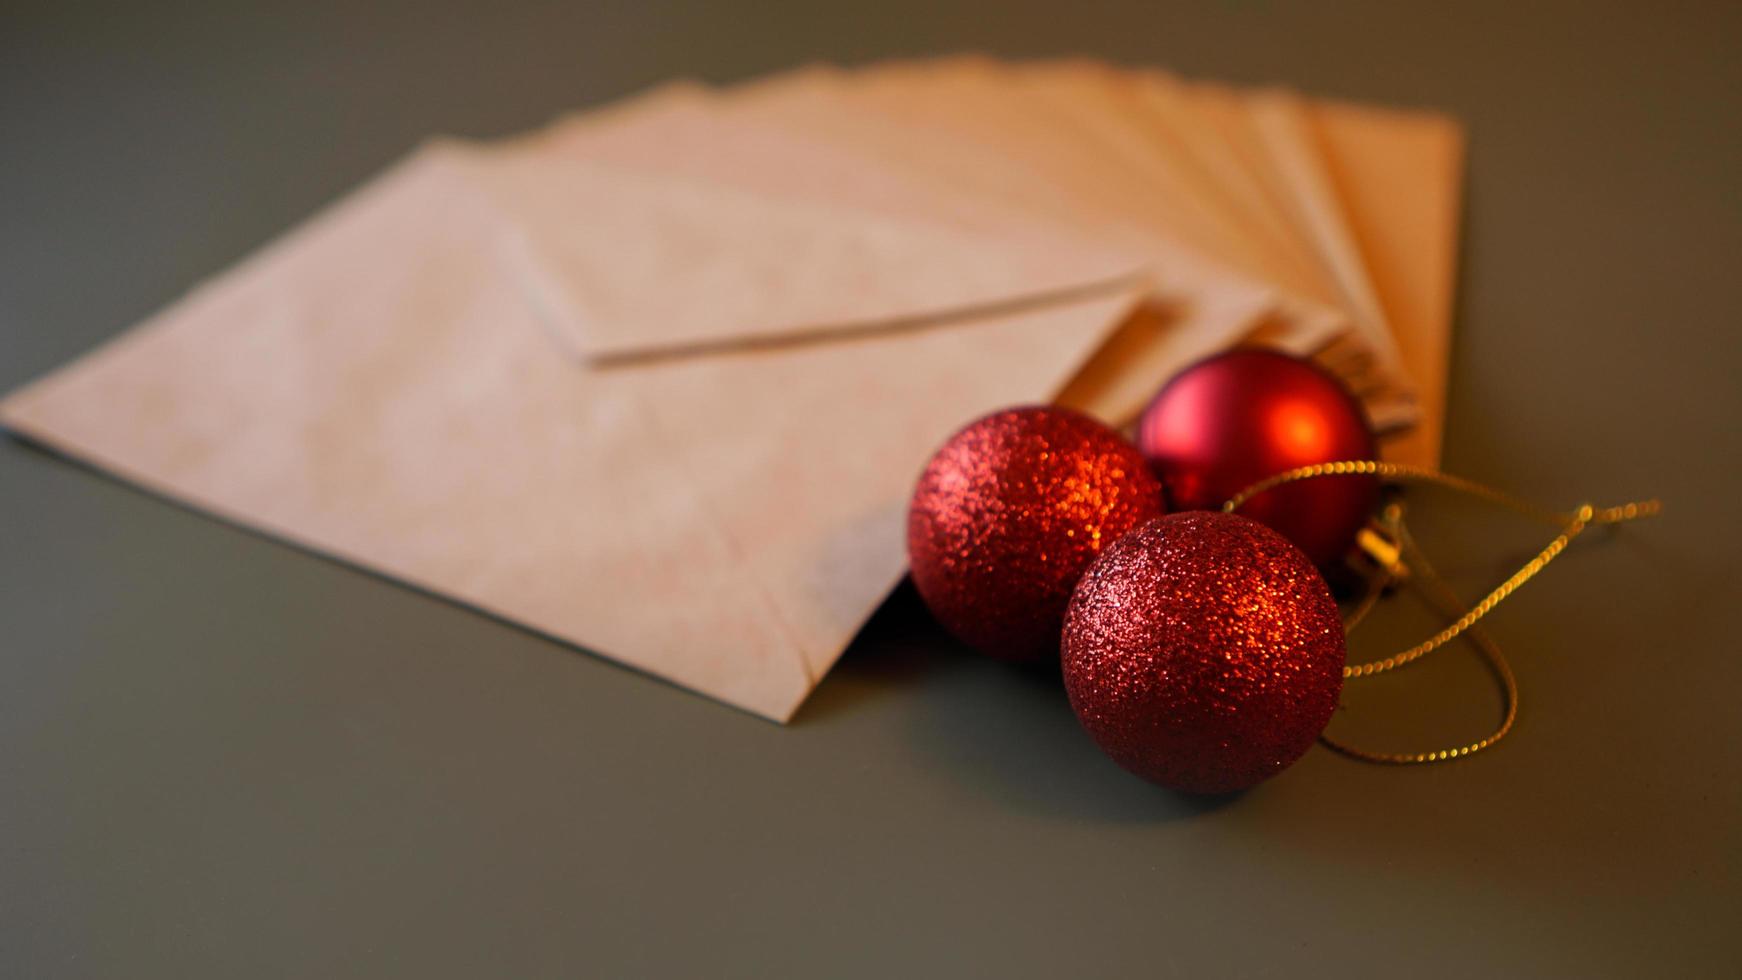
672, 144
1369, 195
1090, 102
656, 381
1399, 175
1391, 225
1091, 97
757, 254
1093, 102
958, 121
376, 386
964, 147
1396, 177
1174, 116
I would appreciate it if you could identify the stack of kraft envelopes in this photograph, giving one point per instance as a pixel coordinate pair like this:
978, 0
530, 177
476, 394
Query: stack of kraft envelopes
657, 379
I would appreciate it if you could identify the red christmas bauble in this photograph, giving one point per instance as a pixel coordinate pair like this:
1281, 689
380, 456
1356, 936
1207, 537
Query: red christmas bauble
1227, 422
1203, 652
1008, 514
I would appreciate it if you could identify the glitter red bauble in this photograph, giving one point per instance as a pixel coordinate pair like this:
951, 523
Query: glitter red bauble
1227, 422
1203, 652
1008, 514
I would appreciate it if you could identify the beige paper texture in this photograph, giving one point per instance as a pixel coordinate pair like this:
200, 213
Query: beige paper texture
646, 261
374, 387
1400, 177
656, 380
982, 151
1094, 107
1202, 129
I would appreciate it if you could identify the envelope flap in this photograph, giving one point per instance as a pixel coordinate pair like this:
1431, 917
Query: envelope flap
658, 263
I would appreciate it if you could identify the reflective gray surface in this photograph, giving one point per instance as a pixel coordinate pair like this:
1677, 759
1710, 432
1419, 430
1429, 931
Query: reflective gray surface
223, 757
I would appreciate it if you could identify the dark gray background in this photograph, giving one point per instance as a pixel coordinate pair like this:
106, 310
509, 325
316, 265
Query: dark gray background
222, 757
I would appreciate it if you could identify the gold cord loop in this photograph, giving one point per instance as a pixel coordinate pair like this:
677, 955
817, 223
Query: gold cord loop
1414, 567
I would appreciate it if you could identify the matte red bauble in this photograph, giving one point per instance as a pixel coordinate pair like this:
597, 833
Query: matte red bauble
1202, 651
1008, 514
1225, 423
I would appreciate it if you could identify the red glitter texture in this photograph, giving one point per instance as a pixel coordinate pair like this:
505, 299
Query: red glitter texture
1010, 512
1203, 652
1231, 420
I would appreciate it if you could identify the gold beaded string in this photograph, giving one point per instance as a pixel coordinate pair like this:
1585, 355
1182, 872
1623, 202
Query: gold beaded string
1434, 590
1414, 568
1571, 525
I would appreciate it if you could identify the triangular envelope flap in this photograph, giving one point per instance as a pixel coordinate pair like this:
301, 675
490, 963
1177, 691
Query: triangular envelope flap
635, 263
